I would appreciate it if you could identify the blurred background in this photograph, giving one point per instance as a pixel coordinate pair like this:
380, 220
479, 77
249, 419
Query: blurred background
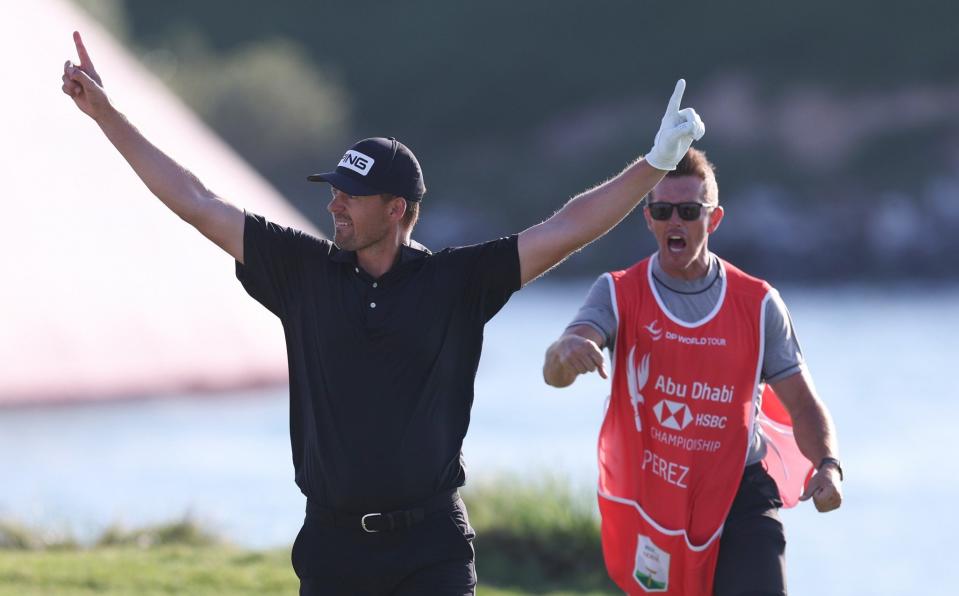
833, 127
835, 134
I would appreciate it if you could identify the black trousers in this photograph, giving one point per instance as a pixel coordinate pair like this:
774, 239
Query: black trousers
752, 549
432, 557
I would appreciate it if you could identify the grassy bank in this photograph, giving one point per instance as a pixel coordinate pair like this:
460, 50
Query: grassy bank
205, 570
537, 537
533, 538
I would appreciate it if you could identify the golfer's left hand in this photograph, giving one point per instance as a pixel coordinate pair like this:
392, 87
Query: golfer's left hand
677, 131
824, 489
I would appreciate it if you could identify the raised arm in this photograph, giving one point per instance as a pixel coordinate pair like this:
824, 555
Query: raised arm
594, 212
173, 184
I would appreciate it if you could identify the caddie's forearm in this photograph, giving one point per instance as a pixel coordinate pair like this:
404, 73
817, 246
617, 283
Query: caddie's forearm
174, 185
815, 432
596, 211
813, 427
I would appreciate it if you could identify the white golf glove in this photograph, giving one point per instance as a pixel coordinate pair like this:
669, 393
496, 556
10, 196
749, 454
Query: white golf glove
676, 133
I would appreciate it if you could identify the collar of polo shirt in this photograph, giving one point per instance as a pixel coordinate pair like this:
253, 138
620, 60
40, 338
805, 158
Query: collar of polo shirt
408, 253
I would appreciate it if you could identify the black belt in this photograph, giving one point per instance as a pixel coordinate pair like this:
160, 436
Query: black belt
382, 522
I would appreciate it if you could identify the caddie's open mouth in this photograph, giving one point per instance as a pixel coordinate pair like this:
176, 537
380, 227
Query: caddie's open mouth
675, 243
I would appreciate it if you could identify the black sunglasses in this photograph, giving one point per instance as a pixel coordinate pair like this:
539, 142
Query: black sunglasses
687, 211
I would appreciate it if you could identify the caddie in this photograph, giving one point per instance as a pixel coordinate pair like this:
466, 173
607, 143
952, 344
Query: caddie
696, 451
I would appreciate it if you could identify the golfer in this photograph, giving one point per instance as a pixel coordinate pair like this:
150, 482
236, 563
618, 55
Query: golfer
383, 340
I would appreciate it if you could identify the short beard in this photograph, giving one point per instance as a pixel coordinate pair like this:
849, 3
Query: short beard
357, 243
341, 244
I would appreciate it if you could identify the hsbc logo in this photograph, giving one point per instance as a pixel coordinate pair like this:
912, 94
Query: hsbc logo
654, 331
358, 162
674, 415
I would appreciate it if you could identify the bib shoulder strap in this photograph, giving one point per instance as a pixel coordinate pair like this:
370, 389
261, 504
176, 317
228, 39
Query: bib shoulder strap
738, 282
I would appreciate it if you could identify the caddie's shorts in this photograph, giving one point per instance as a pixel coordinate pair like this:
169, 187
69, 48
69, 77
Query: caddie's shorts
434, 556
752, 548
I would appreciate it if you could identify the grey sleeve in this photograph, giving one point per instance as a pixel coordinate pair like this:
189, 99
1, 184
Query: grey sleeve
782, 356
597, 312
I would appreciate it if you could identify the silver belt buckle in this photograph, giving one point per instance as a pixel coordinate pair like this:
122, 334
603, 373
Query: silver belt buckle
363, 522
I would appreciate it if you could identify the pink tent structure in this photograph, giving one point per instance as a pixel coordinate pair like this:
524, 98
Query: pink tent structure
103, 292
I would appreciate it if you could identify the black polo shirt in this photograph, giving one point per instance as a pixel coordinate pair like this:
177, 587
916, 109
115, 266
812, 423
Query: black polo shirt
381, 370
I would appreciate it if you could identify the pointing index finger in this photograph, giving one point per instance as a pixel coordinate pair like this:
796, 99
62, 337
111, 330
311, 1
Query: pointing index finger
677, 98
85, 62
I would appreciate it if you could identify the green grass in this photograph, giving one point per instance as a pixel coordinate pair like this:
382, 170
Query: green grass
538, 537
201, 570
533, 538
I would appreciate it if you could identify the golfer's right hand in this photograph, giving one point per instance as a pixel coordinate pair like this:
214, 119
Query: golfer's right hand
677, 131
577, 355
83, 84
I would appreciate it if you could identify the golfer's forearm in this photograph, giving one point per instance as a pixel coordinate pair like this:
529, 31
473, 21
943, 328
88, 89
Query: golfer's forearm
584, 219
596, 211
174, 185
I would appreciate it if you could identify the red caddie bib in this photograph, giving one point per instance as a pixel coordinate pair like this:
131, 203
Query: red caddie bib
674, 441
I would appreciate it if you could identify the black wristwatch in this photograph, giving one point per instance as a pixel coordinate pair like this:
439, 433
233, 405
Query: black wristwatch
833, 461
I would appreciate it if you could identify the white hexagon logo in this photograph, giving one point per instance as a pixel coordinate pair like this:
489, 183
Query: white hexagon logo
672, 414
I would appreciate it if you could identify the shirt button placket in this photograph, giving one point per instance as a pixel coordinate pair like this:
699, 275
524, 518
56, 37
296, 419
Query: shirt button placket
373, 293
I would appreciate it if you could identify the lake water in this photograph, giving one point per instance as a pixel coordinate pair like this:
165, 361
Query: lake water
883, 360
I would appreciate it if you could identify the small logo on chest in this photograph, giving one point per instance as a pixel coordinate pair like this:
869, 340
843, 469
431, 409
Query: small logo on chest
654, 331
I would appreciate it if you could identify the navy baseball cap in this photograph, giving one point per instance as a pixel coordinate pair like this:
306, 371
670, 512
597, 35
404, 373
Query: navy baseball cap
376, 166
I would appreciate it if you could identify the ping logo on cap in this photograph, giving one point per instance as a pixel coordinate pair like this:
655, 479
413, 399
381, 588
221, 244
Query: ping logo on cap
358, 162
